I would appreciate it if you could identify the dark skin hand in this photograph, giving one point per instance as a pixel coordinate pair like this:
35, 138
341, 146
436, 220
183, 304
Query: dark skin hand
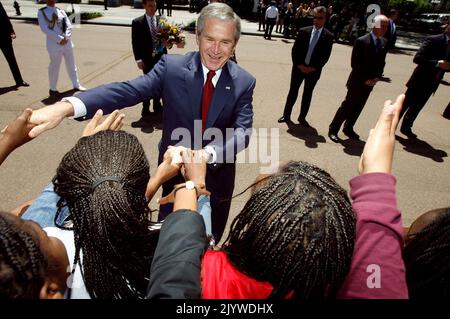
15, 134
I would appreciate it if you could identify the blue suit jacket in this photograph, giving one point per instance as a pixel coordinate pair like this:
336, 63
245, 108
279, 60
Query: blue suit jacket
179, 81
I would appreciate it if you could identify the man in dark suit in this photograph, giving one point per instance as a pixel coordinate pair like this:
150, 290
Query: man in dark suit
310, 53
368, 61
391, 32
202, 91
7, 34
433, 60
146, 47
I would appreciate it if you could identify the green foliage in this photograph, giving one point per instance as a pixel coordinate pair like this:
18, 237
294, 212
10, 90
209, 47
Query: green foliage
87, 15
413, 7
90, 15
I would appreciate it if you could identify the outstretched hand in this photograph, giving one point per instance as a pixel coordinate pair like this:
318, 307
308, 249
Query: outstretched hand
194, 169
113, 122
169, 167
15, 134
379, 149
49, 117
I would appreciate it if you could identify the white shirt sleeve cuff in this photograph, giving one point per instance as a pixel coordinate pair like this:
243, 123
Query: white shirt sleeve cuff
79, 109
213, 155
140, 60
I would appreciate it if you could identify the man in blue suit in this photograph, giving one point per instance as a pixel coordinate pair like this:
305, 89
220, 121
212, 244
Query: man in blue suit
201, 91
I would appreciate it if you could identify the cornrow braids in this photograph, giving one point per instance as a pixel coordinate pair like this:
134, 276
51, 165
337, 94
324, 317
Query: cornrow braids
110, 220
297, 232
22, 265
427, 260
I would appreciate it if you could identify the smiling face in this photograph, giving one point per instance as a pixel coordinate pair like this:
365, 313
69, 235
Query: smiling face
216, 43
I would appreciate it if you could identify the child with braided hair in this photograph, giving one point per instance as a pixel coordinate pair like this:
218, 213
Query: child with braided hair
32, 265
103, 180
106, 229
427, 255
303, 218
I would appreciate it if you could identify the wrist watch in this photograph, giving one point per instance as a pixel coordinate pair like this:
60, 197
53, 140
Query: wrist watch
190, 185
200, 189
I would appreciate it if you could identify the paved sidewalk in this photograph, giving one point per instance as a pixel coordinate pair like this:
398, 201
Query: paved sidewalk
124, 15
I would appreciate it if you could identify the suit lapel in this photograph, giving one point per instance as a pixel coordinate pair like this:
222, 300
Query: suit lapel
194, 83
146, 28
222, 93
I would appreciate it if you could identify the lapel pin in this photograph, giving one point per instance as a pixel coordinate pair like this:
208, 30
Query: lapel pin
227, 88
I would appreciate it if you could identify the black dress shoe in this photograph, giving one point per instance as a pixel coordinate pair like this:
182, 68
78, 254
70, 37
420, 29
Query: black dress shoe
408, 132
53, 93
23, 83
284, 120
350, 134
304, 123
333, 137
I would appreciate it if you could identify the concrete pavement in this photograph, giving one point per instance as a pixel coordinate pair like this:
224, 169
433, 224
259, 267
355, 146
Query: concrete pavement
103, 55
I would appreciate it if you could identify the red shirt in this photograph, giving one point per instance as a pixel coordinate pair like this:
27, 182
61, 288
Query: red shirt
220, 280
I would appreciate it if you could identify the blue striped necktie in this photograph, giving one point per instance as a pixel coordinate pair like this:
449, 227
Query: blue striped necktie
312, 45
153, 31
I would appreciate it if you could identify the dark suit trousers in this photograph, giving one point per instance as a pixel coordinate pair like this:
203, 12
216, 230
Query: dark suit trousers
351, 107
297, 78
415, 99
8, 51
269, 27
220, 182
156, 102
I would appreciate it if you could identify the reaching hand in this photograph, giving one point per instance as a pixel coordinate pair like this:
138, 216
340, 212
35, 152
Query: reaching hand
140, 65
169, 168
49, 117
444, 65
379, 149
16, 133
194, 166
370, 82
113, 122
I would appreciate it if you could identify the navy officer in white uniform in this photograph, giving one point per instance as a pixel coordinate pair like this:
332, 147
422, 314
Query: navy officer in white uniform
56, 25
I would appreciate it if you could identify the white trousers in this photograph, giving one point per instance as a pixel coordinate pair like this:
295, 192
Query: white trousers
55, 62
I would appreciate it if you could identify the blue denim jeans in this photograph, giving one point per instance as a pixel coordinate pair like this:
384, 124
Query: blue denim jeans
43, 210
204, 209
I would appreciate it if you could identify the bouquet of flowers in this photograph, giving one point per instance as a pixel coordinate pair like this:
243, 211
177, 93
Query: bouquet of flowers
170, 34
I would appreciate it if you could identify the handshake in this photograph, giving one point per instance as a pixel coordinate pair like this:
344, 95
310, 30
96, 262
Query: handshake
178, 159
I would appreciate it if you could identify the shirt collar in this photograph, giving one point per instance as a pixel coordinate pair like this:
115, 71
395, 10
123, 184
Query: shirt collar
374, 37
320, 30
214, 79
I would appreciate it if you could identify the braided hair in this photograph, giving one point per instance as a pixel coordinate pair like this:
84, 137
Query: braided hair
111, 220
22, 265
427, 260
296, 232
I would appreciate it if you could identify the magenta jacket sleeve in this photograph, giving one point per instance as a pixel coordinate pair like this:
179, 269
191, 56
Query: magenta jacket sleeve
377, 269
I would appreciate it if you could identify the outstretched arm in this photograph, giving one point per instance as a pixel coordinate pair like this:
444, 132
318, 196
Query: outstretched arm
377, 268
176, 265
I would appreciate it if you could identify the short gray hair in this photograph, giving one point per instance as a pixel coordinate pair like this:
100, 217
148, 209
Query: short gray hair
378, 19
320, 9
222, 12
